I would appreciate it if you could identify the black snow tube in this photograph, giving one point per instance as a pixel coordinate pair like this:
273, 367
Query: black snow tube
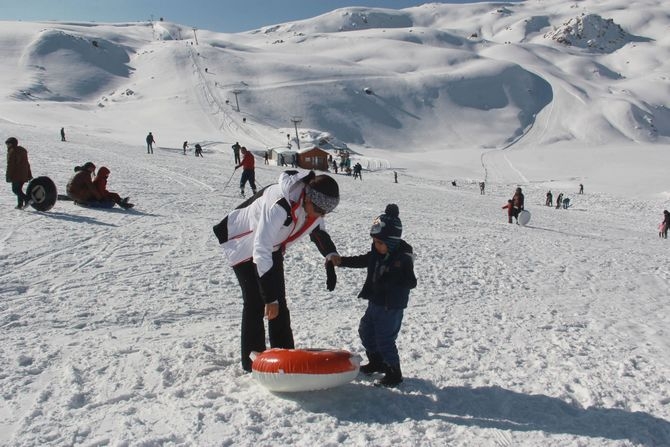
42, 193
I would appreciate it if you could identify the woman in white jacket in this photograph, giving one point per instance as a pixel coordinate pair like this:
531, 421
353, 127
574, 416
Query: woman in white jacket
253, 239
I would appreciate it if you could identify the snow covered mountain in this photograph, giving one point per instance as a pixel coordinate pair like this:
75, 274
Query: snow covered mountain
569, 77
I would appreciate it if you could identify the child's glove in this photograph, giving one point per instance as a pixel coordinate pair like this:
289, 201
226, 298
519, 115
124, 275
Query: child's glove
331, 277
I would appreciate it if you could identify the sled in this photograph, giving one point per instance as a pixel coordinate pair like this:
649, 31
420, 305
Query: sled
42, 193
523, 218
294, 370
105, 204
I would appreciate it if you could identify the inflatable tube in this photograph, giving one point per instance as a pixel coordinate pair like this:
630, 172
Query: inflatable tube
524, 218
291, 370
42, 193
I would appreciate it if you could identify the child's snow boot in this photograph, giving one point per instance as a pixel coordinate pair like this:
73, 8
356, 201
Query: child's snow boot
375, 364
392, 378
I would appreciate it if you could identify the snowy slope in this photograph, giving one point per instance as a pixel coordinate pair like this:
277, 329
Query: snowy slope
122, 327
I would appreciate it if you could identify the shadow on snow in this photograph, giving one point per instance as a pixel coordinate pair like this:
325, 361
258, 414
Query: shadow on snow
486, 407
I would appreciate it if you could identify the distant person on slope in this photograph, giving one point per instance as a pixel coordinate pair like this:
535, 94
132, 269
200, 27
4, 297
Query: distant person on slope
482, 186
665, 225
559, 201
150, 143
100, 183
18, 170
236, 152
62, 133
80, 188
184, 146
550, 199
518, 200
198, 150
248, 170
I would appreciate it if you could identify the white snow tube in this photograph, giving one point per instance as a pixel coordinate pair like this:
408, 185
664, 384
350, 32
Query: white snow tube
291, 370
524, 217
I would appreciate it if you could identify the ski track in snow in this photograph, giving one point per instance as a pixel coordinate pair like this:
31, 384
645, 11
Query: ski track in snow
121, 327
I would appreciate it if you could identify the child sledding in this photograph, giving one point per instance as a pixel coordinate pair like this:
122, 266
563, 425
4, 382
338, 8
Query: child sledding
93, 193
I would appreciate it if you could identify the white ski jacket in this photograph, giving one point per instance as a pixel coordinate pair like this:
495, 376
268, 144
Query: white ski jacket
258, 230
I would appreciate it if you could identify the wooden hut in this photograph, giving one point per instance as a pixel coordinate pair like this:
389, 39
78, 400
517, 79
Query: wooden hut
313, 158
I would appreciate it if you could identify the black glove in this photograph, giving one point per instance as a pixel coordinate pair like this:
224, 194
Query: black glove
331, 277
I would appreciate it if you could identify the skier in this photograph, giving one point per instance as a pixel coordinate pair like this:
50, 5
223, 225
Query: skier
248, 170
581, 189
550, 199
482, 185
150, 143
184, 146
198, 150
100, 183
62, 133
559, 200
18, 170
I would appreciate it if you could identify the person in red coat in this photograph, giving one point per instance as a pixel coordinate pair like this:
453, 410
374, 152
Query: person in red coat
18, 170
100, 183
248, 170
512, 211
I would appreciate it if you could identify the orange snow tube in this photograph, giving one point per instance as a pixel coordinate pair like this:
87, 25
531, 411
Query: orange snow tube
291, 370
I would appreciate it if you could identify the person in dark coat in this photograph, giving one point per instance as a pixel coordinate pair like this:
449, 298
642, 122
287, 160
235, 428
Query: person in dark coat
198, 150
150, 143
236, 152
80, 188
518, 200
184, 146
18, 170
550, 199
559, 201
62, 133
665, 225
390, 277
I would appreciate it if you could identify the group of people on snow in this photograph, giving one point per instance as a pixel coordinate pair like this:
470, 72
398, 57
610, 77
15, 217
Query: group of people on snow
89, 191
81, 188
254, 237
515, 205
561, 202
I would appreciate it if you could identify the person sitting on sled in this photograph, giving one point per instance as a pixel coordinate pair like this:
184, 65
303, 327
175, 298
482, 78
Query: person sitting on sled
80, 188
100, 183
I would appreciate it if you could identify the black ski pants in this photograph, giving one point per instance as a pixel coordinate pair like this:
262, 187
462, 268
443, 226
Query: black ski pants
253, 311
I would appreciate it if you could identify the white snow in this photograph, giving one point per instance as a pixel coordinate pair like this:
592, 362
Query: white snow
122, 327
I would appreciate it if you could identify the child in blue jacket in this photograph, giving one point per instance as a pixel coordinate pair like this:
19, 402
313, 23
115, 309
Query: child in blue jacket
390, 264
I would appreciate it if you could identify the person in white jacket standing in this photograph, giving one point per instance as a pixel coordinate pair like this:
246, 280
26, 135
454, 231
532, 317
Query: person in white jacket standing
254, 237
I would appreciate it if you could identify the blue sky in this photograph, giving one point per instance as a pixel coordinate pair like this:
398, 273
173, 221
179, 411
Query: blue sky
215, 15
